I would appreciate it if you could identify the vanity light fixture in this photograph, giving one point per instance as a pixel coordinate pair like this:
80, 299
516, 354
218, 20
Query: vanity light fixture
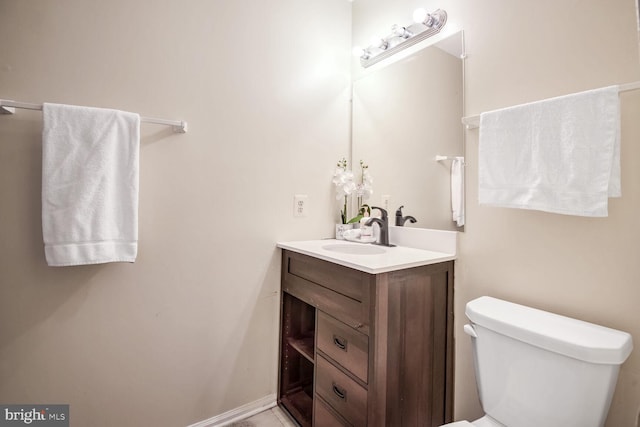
425, 25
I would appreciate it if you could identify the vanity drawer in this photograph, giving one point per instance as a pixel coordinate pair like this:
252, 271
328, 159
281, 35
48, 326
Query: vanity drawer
343, 344
342, 292
342, 393
324, 416
343, 280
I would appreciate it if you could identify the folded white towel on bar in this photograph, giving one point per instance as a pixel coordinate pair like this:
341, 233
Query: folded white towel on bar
559, 155
90, 169
457, 190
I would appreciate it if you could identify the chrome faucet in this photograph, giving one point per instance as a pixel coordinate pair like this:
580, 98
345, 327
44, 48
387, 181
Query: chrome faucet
384, 227
400, 220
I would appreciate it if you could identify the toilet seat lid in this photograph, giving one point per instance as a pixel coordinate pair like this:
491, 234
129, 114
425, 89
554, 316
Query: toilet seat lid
485, 421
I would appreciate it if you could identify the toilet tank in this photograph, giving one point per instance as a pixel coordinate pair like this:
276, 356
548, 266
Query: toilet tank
535, 368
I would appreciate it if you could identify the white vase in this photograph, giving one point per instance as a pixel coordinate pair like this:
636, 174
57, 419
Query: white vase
341, 228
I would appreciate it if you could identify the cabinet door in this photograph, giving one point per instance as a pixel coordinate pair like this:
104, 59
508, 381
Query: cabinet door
414, 361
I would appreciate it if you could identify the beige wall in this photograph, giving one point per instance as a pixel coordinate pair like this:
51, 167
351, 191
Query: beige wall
190, 330
585, 268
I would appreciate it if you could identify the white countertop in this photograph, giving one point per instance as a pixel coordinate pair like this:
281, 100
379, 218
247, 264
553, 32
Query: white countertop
393, 258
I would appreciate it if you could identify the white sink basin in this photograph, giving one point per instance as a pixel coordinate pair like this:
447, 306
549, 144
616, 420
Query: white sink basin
355, 249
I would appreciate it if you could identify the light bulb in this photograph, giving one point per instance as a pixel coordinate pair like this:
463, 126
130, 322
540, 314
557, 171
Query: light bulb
379, 42
401, 31
420, 15
360, 52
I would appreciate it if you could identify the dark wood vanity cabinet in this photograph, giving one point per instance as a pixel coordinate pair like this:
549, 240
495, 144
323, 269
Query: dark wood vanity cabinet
360, 349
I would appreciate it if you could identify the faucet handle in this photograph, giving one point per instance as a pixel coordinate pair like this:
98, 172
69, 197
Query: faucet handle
382, 211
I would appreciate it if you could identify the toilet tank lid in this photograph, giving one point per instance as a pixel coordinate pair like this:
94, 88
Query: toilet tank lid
571, 337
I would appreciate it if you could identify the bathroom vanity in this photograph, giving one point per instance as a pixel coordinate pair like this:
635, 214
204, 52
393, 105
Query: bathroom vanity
366, 338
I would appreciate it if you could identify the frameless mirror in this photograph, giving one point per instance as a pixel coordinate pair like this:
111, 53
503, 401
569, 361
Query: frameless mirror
403, 116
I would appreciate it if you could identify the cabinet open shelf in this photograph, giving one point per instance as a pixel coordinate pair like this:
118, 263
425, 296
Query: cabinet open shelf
303, 345
299, 403
297, 363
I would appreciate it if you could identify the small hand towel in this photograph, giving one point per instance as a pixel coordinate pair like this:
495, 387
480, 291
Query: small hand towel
90, 169
559, 155
457, 190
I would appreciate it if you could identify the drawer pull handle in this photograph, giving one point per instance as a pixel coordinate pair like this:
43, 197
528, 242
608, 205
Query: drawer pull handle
340, 342
340, 392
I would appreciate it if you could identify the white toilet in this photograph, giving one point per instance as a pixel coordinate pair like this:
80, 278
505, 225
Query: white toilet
538, 369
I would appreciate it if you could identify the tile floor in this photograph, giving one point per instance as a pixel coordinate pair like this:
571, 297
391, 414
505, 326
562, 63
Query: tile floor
273, 417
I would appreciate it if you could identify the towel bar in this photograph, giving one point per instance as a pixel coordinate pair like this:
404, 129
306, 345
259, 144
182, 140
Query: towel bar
473, 122
439, 158
8, 107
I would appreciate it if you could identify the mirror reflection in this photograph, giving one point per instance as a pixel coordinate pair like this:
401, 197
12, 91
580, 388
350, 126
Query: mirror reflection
403, 116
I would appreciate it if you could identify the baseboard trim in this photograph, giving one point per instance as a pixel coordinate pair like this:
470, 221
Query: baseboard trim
240, 413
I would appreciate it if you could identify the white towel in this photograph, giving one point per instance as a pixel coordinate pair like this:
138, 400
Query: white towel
559, 155
89, 185
457, 190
